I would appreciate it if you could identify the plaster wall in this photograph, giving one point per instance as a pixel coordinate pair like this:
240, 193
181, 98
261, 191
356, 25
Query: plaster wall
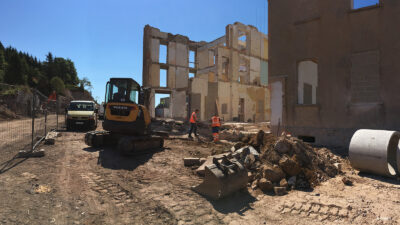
334, 34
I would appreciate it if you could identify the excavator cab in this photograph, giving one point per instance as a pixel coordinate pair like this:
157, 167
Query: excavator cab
123, 113
123, 90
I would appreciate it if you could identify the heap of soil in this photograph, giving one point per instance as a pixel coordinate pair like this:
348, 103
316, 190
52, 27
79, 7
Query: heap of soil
288, 162
6, 113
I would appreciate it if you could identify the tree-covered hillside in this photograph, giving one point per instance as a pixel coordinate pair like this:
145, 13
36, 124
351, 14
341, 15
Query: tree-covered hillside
56, 73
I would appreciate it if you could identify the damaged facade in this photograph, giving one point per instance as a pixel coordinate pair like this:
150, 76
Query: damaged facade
228, 75
333, 68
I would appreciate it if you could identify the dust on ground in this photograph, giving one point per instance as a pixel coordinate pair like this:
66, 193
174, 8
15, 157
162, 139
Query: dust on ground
75, 184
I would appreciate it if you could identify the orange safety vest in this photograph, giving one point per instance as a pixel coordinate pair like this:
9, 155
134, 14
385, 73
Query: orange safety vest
215, 121
52, 97
193, 118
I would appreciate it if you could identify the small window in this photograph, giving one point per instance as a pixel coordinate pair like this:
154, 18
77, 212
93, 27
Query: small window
225, 67
163, 78
307, 82
358, 4
224, 108
242, 39
192, 59
191, 75
163, 54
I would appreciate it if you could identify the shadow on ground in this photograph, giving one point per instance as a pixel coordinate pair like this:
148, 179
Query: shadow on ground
380, 178
238, 203
13, 162
112, 159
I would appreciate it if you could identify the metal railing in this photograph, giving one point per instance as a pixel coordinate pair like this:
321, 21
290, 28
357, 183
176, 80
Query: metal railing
26, 116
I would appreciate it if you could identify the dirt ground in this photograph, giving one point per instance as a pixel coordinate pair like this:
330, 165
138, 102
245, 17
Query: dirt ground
75, 184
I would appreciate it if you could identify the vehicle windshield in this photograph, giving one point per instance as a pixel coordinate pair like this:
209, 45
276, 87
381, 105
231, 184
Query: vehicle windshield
123, 91
81, 106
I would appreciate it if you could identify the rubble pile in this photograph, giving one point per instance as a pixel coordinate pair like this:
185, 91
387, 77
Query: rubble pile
283, 163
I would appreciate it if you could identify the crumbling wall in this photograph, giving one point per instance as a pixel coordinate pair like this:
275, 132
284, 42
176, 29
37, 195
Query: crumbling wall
357, 87
226, 70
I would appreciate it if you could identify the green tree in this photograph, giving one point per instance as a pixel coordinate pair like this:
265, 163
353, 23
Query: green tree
17, 70
57, 85
3, 64
84, 83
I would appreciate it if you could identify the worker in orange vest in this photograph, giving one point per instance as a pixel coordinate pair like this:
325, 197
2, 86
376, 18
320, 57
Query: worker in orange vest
193, 123
215, 125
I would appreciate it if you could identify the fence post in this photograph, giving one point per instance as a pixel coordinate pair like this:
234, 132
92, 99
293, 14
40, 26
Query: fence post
57, 111
33, 118
45, 120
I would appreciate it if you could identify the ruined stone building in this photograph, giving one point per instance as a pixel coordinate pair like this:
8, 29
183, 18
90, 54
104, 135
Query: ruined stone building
334, 68
228, 75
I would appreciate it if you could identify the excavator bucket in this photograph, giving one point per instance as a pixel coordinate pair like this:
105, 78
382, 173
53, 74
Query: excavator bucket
222, 178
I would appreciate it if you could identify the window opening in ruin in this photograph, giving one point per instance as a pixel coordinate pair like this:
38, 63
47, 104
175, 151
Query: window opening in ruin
191, 75
162, 103
307, 72
241, 110
309, 139
163, 78
239, 79
225, 67
358, 4
163, 54
242, 41
192, 59
214, 59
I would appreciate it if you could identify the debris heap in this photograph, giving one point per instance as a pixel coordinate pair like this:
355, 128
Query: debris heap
283, 163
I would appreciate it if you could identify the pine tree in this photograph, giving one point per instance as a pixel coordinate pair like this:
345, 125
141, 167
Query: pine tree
17, 70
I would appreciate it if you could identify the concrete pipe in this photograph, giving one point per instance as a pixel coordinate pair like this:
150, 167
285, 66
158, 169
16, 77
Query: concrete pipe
375, 151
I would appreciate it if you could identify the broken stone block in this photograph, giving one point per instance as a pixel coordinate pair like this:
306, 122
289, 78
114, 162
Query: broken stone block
29, 153
283, 183
247, 150
250, 175
191, 161
347, 181
331, 170
249, 161
50, 138
49, 141
254, 184
273, 173
338, 166
282, 146
290, 166
265, 185
280, 191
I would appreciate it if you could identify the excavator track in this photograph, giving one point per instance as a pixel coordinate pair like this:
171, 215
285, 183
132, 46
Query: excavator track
127, 145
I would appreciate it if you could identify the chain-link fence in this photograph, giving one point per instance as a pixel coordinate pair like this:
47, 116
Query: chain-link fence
26, 116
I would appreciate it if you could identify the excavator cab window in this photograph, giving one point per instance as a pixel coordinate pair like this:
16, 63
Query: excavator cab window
123, 90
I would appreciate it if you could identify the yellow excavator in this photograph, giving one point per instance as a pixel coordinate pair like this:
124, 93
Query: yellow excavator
126, 120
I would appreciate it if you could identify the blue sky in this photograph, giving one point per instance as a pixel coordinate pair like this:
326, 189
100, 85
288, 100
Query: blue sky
363, 3
105, 38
